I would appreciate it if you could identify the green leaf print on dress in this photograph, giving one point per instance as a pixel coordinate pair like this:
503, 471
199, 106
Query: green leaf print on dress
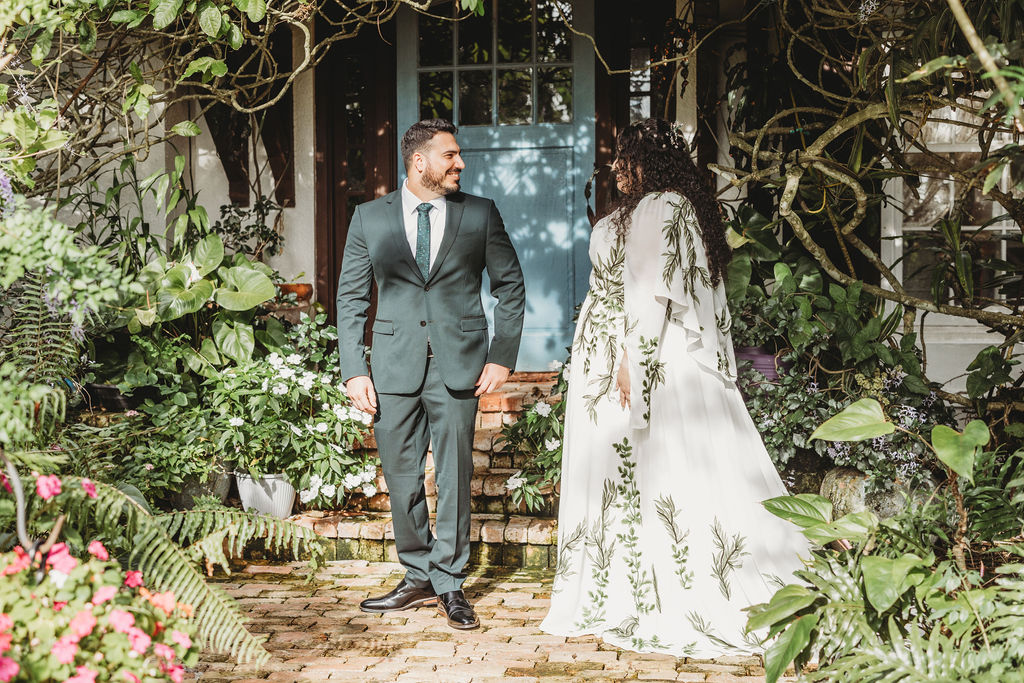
602, 321
729, 557
667, 513
600, 552
628, 502
654, 372
563, 570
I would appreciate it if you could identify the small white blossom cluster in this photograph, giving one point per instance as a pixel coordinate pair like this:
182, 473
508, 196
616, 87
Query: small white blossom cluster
348, 413
515, 481
552, 444
317, 487
541, 408
289, 368
364, 481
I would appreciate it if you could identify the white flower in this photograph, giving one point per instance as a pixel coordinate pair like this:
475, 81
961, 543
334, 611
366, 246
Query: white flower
542, 409
554, 365
316, 481
294, 358
552, 444
340, 413
325, 406
193, 272
264, 386
57, 577
328, 490
369, 490
351, 481
515, 481
365, 418
307, 495
148, 466
337, 448
321, 427
341, 388
295, 430
236, 422
368, 475
274, 360
285, 372
280, 388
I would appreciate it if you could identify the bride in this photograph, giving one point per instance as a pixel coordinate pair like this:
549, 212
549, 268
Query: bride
662, 537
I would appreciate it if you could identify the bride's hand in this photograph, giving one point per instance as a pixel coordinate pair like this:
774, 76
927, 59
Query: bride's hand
622, 381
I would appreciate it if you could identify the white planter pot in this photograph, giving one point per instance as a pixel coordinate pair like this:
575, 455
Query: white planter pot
270, 494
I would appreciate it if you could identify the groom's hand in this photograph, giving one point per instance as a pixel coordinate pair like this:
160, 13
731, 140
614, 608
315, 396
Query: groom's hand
361, 392
491, 379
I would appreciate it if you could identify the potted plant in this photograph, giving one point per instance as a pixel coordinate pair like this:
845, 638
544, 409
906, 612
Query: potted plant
284, 420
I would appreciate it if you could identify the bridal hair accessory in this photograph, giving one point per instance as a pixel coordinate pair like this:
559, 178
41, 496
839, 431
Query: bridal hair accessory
676, 136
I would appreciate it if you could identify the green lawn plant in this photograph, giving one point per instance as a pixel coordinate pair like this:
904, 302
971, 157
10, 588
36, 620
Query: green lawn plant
934, 593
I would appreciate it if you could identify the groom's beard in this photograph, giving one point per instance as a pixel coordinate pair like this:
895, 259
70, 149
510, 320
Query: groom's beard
435, 182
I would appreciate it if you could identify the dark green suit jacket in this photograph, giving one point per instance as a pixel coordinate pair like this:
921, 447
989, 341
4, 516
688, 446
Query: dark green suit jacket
446, 306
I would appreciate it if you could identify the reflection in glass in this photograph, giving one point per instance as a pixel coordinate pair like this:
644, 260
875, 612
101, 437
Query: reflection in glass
640, 76
554, 95
1013, 291
354, 124
515, 99
356, 175
436, 95
554, 41
514, 31
475, 98
435, 40
475, 40
639, 108
919, 265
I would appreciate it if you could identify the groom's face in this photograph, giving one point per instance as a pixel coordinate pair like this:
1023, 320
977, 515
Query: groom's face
442, 165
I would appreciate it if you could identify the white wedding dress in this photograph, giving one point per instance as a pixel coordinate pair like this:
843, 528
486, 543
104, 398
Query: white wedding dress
663, 540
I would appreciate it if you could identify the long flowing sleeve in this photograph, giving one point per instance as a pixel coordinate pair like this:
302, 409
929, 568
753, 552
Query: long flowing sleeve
667, 283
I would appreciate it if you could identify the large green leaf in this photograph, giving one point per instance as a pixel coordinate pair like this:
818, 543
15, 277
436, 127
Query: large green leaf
178, 296
738, 276
166, 12
803, 509
209, 18
788, 645
244, 288
786, 602
957, 450
885, 579
855, 526
234, 340
861, 420
208, 254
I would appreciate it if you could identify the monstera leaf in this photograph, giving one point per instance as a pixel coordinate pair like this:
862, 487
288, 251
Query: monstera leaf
243, 288
181, 292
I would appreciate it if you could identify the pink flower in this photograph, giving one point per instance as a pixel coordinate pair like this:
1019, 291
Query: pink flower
64, 650
176, 672
97, 550
6, 484
47, 486
132, 579
103, 593
132, 678
181, 639
164, 601
58, 605
84, 675
21, 562
60, 559
5, 622
131, 413
121, 621
90, 488
165, 651
82, 624
8, 669
139, 640
5, 641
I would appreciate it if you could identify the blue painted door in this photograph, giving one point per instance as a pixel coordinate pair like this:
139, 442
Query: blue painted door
520, 87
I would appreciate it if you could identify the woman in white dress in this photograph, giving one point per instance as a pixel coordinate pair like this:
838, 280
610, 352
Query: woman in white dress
663, 540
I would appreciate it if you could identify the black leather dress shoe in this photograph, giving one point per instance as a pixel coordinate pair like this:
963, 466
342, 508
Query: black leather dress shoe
404, 596
458, 610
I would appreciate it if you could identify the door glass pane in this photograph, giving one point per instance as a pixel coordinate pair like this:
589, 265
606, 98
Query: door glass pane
554, 95
436, 95
514, 96
436, 35
354, 120
514, 31
554, 42
475, 98
356, 170
475, 40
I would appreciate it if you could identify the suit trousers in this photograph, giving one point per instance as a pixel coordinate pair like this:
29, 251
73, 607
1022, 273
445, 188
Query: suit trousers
405, 427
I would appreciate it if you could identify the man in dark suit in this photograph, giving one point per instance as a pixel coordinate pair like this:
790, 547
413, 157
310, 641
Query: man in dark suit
426, 245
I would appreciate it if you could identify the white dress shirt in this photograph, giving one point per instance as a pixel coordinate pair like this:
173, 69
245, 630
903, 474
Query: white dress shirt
411, 215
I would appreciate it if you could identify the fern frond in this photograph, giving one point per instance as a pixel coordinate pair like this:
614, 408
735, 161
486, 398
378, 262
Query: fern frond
35, 339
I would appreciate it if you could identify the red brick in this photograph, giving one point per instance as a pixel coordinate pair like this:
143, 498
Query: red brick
488, 420
490, 403
512, 402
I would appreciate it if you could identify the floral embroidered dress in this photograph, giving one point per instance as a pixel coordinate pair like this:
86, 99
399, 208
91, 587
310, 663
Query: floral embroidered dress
662, 537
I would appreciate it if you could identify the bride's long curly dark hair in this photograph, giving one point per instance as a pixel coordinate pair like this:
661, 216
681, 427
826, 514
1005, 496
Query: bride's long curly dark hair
653, 157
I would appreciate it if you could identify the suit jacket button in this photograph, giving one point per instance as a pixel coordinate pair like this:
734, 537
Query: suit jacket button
423, 323
426, 288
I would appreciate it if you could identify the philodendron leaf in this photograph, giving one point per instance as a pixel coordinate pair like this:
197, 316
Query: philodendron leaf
885, 579
861, 420
180, 293
208, 254
244, 288
234, 340
786, 602
957, 450
803, 509
146, 316
855, 526
788, 645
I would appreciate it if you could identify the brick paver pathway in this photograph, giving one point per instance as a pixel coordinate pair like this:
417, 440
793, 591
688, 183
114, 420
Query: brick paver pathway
316, 632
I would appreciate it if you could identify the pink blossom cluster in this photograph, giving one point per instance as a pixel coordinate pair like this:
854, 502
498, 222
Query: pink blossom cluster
8, 667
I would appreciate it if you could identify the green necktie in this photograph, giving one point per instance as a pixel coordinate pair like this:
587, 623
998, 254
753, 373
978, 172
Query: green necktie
423, 238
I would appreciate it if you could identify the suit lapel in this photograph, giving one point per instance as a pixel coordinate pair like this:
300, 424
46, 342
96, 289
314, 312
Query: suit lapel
396, 225
453, 208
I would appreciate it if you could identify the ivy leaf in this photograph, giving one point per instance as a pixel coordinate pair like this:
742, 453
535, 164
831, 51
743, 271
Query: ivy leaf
209, 18
861, 420
256, 10
166, 12
186, 129
788, 645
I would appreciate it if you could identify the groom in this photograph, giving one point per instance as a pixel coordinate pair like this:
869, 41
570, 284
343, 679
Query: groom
426, 245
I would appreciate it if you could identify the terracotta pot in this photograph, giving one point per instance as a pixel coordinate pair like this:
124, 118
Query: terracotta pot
303, 291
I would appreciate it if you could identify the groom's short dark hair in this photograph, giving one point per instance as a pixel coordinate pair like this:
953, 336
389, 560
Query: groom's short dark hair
422, 132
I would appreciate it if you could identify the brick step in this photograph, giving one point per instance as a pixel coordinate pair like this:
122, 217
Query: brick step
495, 540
